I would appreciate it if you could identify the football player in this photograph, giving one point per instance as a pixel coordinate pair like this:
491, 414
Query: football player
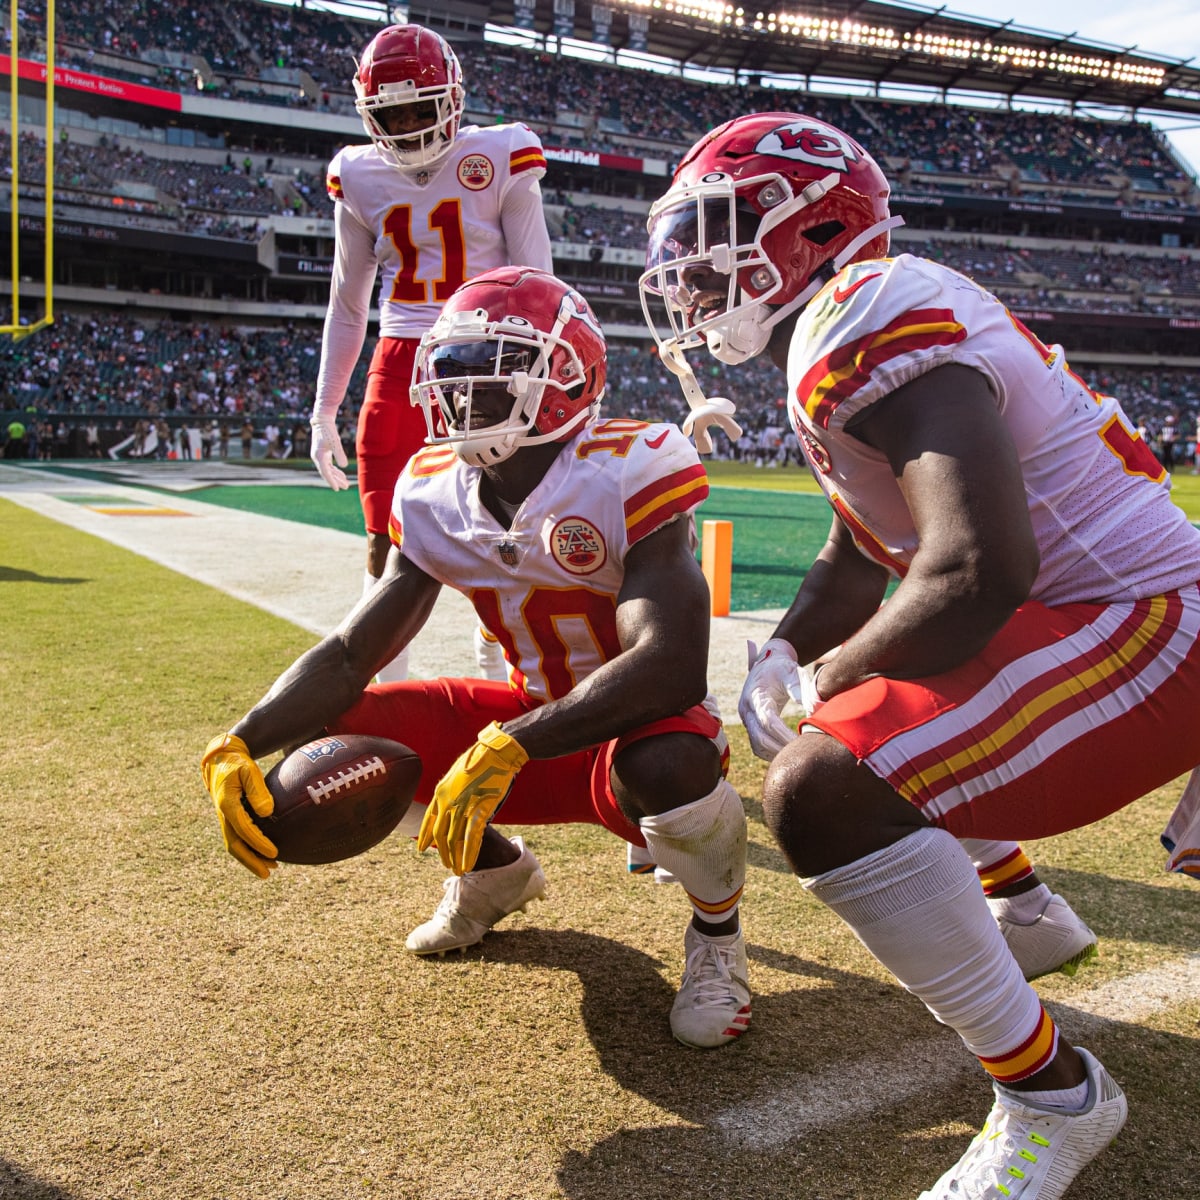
426, 206
574, 538
1037, 666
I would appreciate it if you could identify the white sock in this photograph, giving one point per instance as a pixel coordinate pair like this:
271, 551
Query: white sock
397, 670
1068, 1099
703, 844
917, 905
639, 860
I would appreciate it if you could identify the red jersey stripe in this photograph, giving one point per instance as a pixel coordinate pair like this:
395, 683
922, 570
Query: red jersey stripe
1044, 701
846, 369
653, 506
1029, 1057
526, 159
866, 541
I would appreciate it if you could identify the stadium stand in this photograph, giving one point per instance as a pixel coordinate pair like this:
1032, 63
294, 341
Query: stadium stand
196, 234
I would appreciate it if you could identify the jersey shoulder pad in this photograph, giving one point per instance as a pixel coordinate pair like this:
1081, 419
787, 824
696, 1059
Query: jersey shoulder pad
662, 477
343, 166
873, 327
519, 147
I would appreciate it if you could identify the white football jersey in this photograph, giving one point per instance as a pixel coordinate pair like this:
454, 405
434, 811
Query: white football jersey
1099, 500
547, 588
426, 238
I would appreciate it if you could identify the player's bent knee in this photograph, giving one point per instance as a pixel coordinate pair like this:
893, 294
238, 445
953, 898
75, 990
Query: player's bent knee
657, 774
825, 809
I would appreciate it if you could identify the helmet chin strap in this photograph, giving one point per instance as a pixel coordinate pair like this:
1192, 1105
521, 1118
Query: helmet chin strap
704, 412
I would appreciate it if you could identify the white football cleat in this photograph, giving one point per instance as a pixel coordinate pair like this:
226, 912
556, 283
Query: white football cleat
713, 1003
1027, 1152
1057, 941
476, 901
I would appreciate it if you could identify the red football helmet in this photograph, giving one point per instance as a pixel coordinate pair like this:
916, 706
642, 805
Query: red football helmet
765, 208
403, 66
515, 358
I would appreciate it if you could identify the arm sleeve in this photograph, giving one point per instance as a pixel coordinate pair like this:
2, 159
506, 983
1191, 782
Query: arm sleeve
523, 221
354, 270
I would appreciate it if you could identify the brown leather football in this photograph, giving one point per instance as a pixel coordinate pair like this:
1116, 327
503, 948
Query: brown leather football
338, 796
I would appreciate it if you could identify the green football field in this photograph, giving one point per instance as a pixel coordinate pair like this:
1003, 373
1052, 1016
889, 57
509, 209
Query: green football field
774, 532
780, 518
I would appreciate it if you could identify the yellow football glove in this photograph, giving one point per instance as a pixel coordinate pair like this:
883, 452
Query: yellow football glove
229, 774
468, 795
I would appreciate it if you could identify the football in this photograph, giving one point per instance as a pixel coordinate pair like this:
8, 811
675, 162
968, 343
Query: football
338, 796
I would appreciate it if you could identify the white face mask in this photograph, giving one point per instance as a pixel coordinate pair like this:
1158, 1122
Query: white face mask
420, 148
694, 233
468, 354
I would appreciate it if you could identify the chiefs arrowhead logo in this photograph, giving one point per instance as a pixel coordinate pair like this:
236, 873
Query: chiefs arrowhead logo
578, 546
811, 142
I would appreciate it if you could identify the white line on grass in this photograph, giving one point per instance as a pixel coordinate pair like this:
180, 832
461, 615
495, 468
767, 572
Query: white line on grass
855, 1088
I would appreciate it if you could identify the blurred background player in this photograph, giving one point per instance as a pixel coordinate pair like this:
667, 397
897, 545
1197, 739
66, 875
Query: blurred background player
574, 537
429, 204
1038, 665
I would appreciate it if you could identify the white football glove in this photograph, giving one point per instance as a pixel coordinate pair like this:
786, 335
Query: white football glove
774, 672
804, 689
327, 451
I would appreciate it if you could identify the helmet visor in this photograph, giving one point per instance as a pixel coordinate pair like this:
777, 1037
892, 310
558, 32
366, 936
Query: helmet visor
479, 384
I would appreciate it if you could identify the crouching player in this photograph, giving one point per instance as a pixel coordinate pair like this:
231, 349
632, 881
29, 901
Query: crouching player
574, 539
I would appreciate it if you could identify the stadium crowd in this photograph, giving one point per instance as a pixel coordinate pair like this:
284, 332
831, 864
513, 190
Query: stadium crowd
605, 107
114, 369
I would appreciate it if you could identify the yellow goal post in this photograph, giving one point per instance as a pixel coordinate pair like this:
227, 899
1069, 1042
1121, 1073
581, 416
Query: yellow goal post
18, 330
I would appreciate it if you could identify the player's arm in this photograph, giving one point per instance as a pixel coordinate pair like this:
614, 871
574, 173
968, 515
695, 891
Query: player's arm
326, 680
350, 288
977, 559
839, 594
316, 688
523, 222
663, 628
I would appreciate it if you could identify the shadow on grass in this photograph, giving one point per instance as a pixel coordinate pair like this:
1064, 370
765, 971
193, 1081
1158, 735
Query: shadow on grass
17, 575
15, 1184
845, 1086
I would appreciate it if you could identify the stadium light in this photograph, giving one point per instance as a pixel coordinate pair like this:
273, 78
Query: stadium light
826, 31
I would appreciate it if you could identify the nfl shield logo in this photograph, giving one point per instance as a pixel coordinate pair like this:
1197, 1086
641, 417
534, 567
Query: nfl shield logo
508, 553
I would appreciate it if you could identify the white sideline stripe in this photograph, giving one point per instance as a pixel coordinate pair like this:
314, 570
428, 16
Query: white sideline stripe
306, 574
857, 1088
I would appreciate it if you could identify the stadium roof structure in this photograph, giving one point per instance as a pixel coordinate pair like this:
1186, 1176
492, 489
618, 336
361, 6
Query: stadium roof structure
879, 45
